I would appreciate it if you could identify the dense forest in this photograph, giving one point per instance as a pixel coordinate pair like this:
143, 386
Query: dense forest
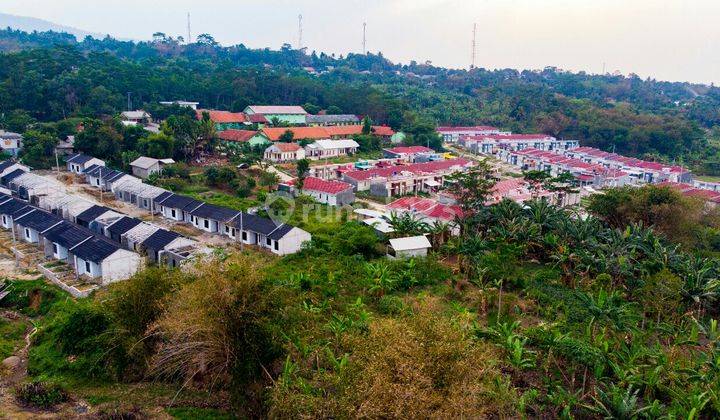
50, 76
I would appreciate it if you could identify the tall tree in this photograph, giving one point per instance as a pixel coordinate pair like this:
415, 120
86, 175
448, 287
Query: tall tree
303, 167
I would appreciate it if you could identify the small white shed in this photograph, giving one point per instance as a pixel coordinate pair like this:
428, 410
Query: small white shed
412, 246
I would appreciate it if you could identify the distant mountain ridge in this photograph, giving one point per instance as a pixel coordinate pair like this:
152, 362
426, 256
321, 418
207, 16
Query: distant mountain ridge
29, 24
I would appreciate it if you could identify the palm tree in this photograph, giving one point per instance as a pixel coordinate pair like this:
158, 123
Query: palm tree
407, 224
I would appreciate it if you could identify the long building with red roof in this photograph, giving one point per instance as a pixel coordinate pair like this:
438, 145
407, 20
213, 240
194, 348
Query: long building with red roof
394, 180
451, 134
333, 193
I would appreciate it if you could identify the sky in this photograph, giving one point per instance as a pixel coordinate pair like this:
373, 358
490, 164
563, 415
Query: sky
677, 40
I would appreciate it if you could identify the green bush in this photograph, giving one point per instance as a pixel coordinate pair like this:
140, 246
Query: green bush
32, 297
40, 395
391, 305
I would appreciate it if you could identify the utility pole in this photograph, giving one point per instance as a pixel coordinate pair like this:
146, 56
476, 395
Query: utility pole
189, 40
300, 45
101, 186
364, 39
472, 65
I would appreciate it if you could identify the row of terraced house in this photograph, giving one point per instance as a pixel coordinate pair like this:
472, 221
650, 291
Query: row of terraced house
244, 227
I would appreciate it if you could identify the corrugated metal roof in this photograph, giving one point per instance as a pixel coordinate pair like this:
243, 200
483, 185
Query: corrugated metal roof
12, 206
92, 213
182, 202
210, 211
79, 159
410, 243
280, 232
123, 225
38, 220
255, 223
159, 239
95, 249
67, 234
12, 175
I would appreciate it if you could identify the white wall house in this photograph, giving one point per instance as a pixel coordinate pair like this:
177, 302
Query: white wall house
284, 152
10, 143
327, 149
144, 166
79, 163
413, 246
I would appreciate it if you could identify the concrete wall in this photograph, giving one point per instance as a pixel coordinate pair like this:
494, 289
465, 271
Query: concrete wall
121, 265
28, 235
291, 243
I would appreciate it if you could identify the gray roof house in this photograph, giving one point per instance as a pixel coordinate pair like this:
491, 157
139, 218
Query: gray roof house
328, 120
10, 142
78, 163
144, 166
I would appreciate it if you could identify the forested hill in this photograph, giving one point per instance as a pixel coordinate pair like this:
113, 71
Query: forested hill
51, 76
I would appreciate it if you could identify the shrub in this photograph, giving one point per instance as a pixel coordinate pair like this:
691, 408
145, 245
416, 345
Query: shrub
40, 395
32, 297
391, 305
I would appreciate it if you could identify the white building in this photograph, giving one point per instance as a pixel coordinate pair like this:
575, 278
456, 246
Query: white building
10, 142
187, 104
453, 134
79, 162
284, 152
8, 166
278, 238
412, 246
144, 166
327, 149
333, 193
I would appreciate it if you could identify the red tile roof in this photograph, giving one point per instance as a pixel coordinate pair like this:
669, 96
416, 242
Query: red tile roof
323, 185
410, 150
469, 128
257, 118
236, 135
428, 207
222, 117
312, 133
317, 133
287, 147
416, 168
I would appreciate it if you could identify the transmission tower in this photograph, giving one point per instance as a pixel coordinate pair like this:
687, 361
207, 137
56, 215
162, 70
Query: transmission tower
364, 39
472, 65
189, 39
300, 32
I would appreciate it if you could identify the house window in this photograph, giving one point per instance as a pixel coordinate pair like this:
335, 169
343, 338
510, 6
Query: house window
4, 220
227, 229
145, 203
87, 266
244, 236
174, 214
27, 233
268, 241
55, 249
207, 224
276, 245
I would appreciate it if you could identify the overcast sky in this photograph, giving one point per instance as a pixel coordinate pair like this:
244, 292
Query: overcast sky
664, 39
